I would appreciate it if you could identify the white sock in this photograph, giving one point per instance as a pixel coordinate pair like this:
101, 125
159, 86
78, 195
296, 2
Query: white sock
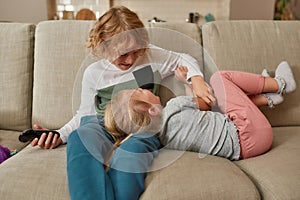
272, 98
265, 73
285, 78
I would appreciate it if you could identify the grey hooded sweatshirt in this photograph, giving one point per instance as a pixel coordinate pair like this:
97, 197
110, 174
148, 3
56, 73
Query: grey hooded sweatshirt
187, 128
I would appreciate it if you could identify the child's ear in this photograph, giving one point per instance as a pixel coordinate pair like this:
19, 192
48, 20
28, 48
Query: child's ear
153, 111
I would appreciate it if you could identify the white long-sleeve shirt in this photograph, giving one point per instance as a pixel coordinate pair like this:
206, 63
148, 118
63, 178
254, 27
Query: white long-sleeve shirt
101, 75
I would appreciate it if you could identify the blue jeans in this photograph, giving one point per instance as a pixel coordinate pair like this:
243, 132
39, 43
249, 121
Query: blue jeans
86, 150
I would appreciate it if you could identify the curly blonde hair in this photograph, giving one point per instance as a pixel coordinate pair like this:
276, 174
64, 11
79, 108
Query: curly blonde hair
117, 20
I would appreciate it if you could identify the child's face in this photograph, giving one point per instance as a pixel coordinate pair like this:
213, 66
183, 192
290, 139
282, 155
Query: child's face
146, 95
125, 61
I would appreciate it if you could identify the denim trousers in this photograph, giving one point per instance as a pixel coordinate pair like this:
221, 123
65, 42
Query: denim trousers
87, 149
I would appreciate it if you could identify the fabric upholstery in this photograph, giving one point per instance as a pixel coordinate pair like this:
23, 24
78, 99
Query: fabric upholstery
178, 37
193, 177
276, 174
60, 52
252, 46
9, 139
16, 64
35, 174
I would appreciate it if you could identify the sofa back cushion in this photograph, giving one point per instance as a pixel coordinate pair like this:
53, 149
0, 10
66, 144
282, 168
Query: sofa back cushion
61, 57
252, 46
179, 37
16, 64
60, 49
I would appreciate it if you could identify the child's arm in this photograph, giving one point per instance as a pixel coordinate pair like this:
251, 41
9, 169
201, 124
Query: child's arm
202, 105
181, 74
202, 91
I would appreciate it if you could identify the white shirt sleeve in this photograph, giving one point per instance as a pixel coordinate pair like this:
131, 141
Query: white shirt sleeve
168, 61
192, 65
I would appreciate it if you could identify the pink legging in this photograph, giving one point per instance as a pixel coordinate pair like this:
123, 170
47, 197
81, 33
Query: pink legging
233, 91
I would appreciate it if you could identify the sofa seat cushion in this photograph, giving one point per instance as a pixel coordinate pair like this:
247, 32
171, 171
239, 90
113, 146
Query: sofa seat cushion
35, 173
194, 177
277, 172
10, 140
16, 65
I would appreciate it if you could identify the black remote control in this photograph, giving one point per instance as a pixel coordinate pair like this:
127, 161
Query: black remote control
30, 134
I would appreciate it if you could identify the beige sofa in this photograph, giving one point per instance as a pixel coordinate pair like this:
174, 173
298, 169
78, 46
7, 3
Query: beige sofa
41, 67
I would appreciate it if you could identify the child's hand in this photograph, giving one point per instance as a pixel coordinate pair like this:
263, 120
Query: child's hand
181, 74
203, 90
201, 104
50, 142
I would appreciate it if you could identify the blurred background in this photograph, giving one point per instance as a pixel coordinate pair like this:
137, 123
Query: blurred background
195, 11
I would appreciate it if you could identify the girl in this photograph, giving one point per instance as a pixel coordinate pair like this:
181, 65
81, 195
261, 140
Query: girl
121, 43
240, 131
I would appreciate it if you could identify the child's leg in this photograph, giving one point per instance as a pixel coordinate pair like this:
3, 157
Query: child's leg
254, 85
231, 90
270, 97
129, 165
87, 178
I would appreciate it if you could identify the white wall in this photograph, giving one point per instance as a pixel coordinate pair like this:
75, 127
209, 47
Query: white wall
29, 11
177, 10
34, 11
252, 9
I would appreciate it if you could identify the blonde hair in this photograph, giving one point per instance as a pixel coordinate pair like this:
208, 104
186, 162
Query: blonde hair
115, 21
125, 114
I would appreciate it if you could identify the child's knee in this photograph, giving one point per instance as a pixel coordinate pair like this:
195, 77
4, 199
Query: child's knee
134, 145
134, 155
216, 77
75, 145
88, 119
73, 137
145, 143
